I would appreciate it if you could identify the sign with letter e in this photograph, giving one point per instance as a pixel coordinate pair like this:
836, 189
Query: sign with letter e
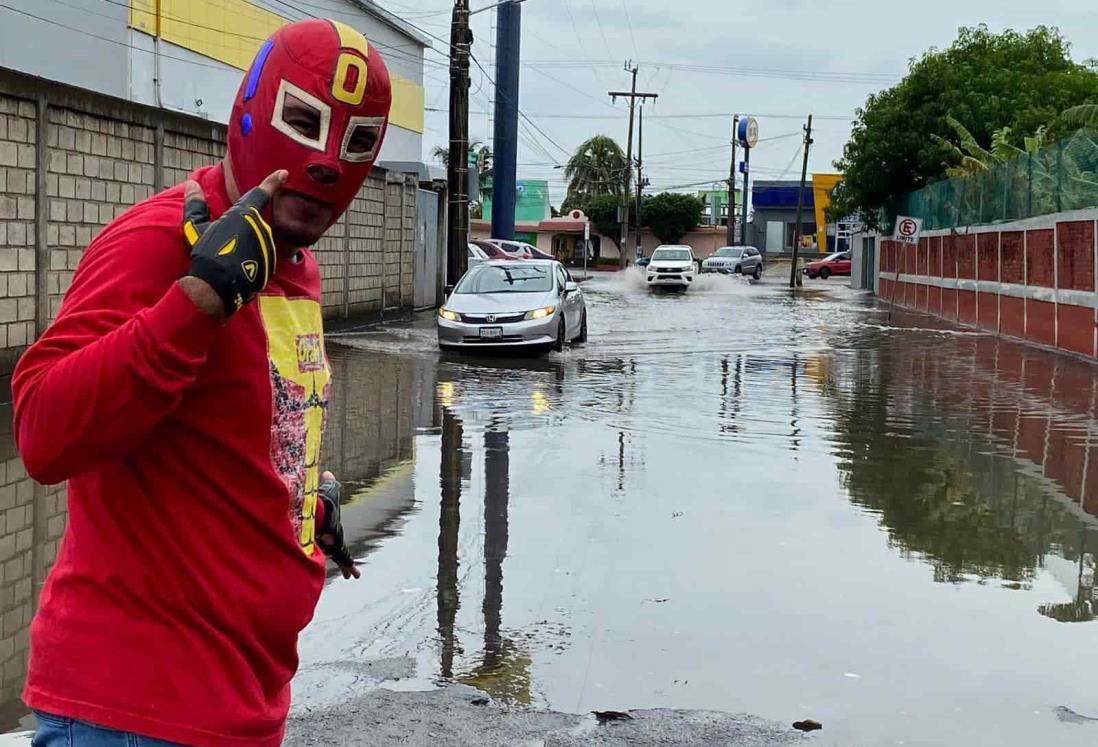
908, 230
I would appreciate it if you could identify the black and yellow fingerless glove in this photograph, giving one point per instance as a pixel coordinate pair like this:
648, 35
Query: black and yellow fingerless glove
234, 254
330, 535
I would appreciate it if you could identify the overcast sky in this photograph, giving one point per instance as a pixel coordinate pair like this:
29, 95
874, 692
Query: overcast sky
776, 59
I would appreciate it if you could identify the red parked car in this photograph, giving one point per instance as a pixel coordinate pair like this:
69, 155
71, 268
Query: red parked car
495, 251
835, 264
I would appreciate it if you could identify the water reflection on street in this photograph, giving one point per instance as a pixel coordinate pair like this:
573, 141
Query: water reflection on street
738, 501
729, 500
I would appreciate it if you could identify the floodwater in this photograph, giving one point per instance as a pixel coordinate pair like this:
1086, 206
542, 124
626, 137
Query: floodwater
733, 500
730, 499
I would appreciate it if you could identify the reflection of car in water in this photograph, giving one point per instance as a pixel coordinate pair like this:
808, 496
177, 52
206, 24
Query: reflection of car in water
671, 267
729, 260
528, 304
835, 264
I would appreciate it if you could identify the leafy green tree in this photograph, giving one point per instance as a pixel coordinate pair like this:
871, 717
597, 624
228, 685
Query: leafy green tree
597, 168
986, 82
671, 216
603, 212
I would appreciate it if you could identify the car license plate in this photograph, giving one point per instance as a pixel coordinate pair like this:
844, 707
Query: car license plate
491, 333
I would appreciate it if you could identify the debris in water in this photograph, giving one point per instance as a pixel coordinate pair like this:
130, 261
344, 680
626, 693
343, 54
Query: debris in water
658, 601
1069, 716
677, 515
852, 676
807, 725
605, 717
479, 701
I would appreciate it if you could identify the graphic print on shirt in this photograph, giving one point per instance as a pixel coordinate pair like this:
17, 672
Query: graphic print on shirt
300, 379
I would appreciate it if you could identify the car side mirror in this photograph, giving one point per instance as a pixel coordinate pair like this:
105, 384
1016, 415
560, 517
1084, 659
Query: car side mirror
571, 287
448, 290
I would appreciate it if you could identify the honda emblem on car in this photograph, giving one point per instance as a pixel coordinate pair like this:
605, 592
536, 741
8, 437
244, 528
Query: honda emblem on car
490, 318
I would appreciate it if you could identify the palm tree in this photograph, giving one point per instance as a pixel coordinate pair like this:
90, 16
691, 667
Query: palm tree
1083, 116
974, 159
597, 168
442, 154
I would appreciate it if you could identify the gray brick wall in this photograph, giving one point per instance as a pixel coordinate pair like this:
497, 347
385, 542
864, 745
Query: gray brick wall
98, 167
18, 156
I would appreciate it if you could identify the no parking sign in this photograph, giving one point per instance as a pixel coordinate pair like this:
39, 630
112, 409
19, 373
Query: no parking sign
908, 230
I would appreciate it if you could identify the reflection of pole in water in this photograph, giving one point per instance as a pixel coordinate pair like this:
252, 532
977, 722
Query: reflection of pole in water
732, 412
621, 461
448, 522
496, 496
795, 412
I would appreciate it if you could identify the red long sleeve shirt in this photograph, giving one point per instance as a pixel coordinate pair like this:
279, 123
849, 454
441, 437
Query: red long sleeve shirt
188, 566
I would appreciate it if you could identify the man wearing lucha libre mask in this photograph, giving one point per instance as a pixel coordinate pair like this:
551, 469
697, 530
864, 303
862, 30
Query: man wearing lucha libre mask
182, 391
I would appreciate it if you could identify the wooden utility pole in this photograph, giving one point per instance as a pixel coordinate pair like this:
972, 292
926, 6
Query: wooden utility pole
795, 276
632, 95
731, 238
457, 235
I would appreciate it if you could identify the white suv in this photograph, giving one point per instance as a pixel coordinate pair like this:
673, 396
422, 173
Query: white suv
672, 266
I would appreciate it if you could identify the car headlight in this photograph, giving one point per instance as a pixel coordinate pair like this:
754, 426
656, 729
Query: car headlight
541, 313
450, 316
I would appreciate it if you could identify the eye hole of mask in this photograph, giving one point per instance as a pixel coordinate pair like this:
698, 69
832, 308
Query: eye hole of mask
362, 138
302, 117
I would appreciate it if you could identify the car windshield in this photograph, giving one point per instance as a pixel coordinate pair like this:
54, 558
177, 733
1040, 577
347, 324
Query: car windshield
671, 254
729, 251
519, 278
836, 256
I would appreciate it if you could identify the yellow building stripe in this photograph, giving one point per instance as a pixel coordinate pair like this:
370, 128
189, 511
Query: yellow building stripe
822, 184
230, 31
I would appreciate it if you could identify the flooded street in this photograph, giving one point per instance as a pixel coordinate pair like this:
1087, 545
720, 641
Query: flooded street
727, 500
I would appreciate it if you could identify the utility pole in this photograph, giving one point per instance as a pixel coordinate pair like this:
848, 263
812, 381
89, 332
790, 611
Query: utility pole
632, 95
640, 181
794, 276
457, 236
731, 238
505, 141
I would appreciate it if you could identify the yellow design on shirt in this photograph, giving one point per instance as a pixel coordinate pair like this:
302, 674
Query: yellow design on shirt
299, 381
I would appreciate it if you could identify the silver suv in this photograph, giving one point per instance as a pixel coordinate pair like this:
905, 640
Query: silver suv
734, 260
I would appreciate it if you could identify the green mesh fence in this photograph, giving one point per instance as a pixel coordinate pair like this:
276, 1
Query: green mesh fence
1062, 176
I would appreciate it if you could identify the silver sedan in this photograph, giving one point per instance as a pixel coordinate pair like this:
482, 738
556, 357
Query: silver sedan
519, 304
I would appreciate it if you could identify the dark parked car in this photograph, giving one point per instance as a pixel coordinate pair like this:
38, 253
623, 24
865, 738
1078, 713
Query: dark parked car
836, 264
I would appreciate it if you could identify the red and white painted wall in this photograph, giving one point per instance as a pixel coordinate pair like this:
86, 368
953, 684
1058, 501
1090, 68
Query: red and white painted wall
1032, 280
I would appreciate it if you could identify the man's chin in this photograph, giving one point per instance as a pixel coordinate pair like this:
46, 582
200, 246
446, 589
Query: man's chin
299, 221
289, 240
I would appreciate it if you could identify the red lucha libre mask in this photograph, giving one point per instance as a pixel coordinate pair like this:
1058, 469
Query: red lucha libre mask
322, 67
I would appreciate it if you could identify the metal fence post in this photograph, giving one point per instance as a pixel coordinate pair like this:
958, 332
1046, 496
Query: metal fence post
1029, 180
1059, 175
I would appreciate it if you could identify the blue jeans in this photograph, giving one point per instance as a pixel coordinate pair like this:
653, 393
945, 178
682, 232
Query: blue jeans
60, 731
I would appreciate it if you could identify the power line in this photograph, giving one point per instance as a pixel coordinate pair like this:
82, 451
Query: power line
702, 115
521, 113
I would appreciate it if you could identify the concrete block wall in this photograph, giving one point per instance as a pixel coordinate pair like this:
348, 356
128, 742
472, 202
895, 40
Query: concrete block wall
1032, 280
97, 168
18, 204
